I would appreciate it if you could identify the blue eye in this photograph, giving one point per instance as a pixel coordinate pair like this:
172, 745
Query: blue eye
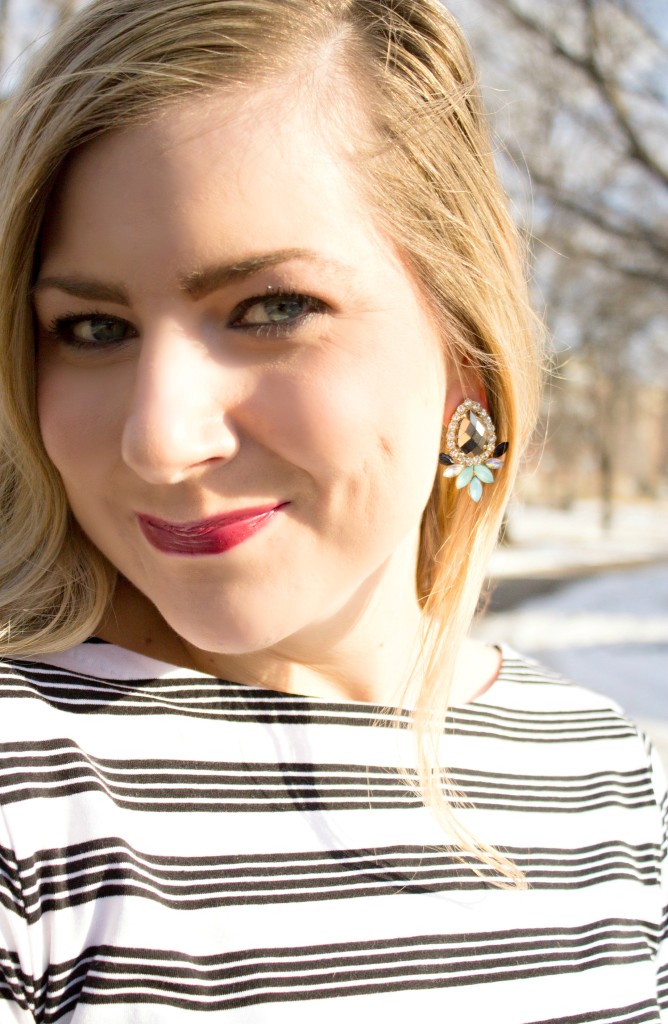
279, 310
92, 330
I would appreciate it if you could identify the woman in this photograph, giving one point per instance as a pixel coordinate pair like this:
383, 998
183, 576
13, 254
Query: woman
268, 369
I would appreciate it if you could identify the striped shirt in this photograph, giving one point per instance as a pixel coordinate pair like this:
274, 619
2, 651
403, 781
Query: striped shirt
175, 848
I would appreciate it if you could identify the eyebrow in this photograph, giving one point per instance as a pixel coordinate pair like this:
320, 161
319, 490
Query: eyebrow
83, 288
196, 284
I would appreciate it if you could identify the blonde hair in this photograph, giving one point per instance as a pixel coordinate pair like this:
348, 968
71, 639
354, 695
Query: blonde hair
426, 170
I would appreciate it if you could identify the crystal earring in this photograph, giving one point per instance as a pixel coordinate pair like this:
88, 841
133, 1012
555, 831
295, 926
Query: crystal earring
471, 449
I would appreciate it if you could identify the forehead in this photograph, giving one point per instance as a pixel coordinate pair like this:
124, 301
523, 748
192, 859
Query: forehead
268, 162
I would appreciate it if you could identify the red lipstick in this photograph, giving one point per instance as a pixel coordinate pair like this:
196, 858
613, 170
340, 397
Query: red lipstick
206, 536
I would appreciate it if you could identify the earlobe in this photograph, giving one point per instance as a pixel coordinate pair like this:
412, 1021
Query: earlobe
463, 382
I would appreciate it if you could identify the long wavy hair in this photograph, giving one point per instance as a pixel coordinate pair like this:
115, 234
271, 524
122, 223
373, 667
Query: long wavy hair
425, 168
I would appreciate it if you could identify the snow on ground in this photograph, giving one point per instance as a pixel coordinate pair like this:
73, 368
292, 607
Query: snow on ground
551, 541
608, 630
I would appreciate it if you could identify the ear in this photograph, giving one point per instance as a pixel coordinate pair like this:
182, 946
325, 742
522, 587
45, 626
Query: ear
462, 381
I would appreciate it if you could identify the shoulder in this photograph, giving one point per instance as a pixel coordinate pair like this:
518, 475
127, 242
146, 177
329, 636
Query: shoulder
40, 676
39, 692
533, 685
89, 662
531, 705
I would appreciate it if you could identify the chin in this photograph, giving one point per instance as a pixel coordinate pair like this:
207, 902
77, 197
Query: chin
228, 635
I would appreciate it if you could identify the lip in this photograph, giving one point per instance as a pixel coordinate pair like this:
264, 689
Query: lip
206, 536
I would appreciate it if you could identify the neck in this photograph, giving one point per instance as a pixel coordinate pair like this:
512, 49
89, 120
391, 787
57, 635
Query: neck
368, 651
364, 653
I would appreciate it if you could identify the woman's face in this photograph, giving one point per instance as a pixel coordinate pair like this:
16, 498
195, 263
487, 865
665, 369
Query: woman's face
238, 382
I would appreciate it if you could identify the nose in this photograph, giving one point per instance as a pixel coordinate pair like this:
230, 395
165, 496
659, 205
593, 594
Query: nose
179, 417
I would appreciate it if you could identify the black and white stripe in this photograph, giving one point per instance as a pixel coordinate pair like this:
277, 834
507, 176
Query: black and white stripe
217, 699
115, 975
173, 845
639, 1013
54, 879
58, 768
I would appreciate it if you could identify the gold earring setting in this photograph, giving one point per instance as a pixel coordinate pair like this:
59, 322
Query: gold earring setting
472, 452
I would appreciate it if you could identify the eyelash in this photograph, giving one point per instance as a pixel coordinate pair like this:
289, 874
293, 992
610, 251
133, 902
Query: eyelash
61, 328
278, 329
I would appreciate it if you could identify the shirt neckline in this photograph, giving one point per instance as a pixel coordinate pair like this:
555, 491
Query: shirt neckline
85, 658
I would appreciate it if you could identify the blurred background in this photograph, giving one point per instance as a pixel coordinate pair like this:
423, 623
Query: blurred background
578, 94
577, 91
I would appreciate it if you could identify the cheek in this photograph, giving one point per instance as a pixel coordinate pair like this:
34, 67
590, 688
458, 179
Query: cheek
357, 411
387, 447
324, 418
74, 420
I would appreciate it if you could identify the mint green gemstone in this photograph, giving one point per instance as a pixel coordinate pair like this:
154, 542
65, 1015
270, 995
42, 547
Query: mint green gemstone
475, 489
465, 477
484, 474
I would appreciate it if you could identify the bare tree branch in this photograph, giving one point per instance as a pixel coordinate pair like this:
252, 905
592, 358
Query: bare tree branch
63, 9
602, 219
610, 91
589, 65
4, 17
636, 15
